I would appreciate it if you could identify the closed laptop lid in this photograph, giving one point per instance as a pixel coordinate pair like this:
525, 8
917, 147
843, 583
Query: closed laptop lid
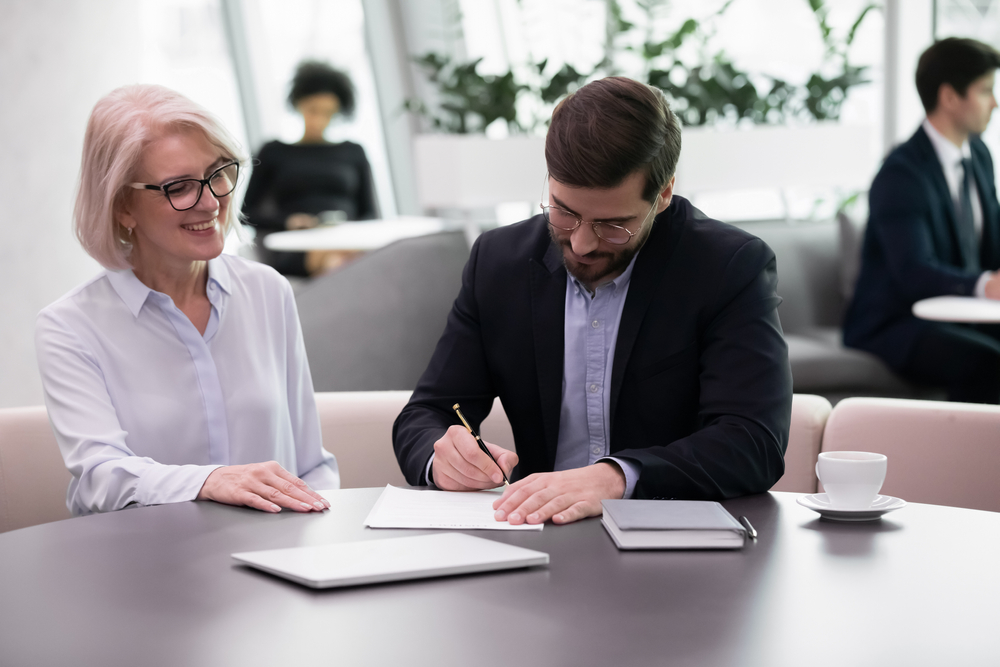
393, 559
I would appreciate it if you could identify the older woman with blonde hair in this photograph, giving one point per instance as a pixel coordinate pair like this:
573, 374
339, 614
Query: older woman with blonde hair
177, 373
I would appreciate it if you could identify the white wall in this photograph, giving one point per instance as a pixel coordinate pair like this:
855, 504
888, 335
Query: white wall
57, 58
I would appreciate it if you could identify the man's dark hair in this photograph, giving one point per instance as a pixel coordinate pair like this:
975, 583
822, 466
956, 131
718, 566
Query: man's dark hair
313, 77
607, 130
957, 61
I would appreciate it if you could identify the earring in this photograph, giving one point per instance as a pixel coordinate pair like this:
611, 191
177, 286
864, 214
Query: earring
129, 231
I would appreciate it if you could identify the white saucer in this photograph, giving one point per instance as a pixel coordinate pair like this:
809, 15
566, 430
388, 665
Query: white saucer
819, 502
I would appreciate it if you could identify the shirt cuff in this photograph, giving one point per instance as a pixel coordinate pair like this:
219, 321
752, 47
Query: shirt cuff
162, 484
631, 472
428, 477
981, 284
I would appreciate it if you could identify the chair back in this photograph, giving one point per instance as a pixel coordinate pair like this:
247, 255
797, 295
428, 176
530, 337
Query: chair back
372, 325
357, 429
809, 416
940, 453
33, 477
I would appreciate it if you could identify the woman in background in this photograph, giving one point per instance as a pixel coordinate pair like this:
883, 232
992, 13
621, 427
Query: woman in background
178, 373
293, 184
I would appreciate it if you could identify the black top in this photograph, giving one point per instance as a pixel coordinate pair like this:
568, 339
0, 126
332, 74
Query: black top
912, 249
701, 389
308, 178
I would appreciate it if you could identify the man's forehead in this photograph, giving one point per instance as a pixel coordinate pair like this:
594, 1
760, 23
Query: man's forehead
630, 189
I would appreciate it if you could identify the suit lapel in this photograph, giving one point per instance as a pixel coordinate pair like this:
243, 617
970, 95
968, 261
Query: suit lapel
548, 314
647, 274
936, 170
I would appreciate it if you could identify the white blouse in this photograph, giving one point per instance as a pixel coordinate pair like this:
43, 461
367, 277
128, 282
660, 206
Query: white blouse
144, 407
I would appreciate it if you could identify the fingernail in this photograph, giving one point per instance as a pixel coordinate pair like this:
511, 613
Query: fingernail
497, 478
514, 518
305, 506
532, 517
275, 508
318, 505
327, 503
500, 515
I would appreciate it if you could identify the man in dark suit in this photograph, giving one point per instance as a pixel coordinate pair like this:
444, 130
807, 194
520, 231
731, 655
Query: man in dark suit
634, 343
933, 230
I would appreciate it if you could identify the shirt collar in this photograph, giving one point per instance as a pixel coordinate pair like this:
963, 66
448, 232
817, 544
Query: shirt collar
134, 292
948, 153
218, 273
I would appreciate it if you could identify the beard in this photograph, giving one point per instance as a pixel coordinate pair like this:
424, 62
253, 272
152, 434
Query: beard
605, 266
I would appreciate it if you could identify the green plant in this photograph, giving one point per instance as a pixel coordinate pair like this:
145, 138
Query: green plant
469, 100
713, 88
704, 89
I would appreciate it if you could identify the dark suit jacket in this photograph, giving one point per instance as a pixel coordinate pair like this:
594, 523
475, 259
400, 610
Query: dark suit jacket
701, 389
911, 249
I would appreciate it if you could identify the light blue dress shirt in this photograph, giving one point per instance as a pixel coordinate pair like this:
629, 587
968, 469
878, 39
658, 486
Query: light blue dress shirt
590, 334
144, 407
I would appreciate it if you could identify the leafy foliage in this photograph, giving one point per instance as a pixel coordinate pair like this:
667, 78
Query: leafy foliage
707, 91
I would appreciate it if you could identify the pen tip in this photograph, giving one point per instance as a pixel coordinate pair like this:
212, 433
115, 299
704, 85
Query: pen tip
455, 407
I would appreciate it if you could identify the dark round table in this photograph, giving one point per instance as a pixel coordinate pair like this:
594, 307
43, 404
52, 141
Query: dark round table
157, 586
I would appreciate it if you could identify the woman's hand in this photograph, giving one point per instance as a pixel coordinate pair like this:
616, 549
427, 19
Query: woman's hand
264, 486
301, 221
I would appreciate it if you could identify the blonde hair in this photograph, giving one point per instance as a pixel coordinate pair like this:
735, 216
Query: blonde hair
123, 123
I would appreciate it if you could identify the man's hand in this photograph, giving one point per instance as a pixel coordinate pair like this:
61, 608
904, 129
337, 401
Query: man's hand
459, 464
564, 497
992, 288
264, 486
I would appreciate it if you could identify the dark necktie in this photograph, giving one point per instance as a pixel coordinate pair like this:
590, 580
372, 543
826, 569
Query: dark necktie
966, 226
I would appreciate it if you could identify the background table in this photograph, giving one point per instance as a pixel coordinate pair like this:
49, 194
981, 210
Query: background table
367, 235
156, 586
958, 309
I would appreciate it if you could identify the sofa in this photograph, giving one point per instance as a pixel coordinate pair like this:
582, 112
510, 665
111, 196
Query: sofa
817, 266
373, 324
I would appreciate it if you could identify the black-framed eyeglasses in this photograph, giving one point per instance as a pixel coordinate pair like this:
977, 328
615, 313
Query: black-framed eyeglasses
564, 220
185, 194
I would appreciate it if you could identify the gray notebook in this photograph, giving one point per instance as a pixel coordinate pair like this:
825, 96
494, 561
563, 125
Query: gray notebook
671, 524
394, 559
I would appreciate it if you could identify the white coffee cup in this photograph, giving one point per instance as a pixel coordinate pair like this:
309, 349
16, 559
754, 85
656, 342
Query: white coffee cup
851, 480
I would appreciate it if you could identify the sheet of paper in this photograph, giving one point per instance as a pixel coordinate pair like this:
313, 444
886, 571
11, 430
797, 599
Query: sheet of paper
408, 508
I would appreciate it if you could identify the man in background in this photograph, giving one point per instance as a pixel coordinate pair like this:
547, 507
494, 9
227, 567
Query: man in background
634, 343
933, 230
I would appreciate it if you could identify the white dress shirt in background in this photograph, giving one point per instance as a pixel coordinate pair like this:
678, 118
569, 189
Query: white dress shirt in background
144, 407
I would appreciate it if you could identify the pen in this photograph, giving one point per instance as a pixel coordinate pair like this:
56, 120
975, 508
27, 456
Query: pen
482, 445
750, 531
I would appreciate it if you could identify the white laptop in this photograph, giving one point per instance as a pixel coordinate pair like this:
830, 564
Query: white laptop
393, 559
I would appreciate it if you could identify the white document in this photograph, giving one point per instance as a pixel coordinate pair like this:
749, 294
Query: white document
376, 561
408, 508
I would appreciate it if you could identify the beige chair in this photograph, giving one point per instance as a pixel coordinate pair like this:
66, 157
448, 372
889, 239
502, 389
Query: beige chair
939, 453
357, 429
809, 415
33, 478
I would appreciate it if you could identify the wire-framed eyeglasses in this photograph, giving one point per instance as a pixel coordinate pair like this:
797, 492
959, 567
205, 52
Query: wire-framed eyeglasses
185, 194
566, 221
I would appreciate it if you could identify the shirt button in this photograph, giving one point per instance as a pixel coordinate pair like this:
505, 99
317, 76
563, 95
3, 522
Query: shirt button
597, 450
593, 389
595, 324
